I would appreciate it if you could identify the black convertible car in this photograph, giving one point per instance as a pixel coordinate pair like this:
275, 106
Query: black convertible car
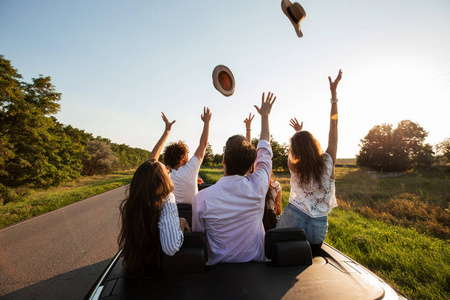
293, 271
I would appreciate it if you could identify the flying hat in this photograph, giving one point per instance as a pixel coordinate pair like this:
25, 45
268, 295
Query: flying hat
295, 14
223, 80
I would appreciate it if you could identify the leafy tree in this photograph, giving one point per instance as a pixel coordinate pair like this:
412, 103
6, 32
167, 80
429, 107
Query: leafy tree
208, 159
443, 151
101, 158
385, 149
27, 147
129, 157
280, 153
218, 158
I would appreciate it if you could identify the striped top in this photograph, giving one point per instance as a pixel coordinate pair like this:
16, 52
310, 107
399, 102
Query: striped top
170, 234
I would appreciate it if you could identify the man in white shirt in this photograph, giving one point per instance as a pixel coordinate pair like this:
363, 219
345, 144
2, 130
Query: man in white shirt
231, 211
184, 171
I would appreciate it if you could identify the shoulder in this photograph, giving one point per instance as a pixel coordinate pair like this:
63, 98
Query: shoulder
192, 165
170, 198
169, 203
328, 161
327, 158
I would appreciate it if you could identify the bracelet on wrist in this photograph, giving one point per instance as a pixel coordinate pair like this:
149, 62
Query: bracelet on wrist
248, 129
333, 100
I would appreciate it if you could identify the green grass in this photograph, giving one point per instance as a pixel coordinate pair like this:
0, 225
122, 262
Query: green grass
211, 174
416, 264
41, 201
417, 199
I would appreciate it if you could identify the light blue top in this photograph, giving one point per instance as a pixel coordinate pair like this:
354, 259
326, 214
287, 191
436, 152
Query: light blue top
170, 234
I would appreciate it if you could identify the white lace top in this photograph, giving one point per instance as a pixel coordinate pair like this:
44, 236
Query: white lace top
314, 200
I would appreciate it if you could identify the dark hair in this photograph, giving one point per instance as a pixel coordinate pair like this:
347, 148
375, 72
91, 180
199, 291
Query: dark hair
269, 219
174, 153
308, 159
140, 212
240, 155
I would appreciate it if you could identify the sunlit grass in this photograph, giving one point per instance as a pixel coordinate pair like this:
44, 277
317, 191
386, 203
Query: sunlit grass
41, 201
416, 264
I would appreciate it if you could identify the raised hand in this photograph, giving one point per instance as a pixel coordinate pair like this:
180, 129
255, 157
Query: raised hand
168, 124
294, 124
248, 121
206, 116
334, 84
266, 105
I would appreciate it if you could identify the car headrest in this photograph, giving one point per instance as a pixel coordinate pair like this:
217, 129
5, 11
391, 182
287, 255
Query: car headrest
185, 211
191, 258
287, 247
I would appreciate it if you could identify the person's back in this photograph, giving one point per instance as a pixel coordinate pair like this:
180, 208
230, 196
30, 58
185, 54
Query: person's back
312, 194
184, 172
230, 212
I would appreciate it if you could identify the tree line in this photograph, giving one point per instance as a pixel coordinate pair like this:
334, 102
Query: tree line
279, 160
38, 151
402, 148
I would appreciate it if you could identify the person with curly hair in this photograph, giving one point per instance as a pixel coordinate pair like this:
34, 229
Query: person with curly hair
184, 171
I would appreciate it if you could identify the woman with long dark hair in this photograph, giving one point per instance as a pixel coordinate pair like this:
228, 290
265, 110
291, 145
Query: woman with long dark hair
312, 194
149, 214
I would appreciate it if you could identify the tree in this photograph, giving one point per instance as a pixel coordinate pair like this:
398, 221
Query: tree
443, 151
101, 158
280, 153
208, 159
218, 158
385, 149
26, 146
129, 157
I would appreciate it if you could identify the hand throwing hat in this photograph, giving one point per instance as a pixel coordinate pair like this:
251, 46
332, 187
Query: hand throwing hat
223, 80
295, 14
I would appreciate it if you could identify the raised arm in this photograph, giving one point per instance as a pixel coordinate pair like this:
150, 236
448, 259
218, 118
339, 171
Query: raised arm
160, 144
206, 118
248, 127
264, 111
294, 124
333, 134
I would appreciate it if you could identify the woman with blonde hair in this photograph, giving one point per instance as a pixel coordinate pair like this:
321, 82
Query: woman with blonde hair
149, 214
312, 194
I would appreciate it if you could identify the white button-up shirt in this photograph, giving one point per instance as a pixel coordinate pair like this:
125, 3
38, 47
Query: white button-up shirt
231, 211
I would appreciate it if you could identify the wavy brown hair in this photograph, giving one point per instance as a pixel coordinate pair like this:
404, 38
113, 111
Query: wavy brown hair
308, 162
174, 153
140, 212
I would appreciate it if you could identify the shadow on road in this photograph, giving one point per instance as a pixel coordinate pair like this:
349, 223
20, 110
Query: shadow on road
71, 285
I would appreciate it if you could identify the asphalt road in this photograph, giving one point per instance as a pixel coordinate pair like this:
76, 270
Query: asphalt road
59, 255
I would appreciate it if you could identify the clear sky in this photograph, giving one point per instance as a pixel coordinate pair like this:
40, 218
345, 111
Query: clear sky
119, 64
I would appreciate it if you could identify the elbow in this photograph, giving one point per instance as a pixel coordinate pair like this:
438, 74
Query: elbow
170, 250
